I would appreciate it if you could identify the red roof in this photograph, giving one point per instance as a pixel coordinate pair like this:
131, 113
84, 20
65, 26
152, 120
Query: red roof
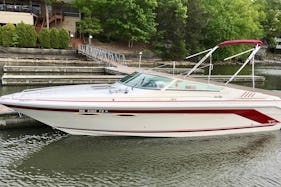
233, 42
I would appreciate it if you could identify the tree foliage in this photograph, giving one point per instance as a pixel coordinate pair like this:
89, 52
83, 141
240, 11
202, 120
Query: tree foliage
10, 37
196, 26
171, 20
89, 26
1, 35
44, 38
64, 39
24, 35
27, 36
270, 19
121, 19
230, 20
54, 38
173, 28
131, 20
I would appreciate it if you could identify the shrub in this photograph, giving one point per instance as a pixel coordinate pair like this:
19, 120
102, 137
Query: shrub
1, 43
54, 38
44, 38
11, 37
27, 35
64, 40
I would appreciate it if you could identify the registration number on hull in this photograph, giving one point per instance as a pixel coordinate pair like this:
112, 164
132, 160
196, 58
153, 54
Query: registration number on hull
93, 111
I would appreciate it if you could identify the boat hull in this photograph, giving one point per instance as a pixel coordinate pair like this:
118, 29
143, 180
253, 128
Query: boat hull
158, 123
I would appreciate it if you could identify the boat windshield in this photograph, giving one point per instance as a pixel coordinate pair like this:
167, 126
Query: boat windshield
184, 85
145, 81
156, 82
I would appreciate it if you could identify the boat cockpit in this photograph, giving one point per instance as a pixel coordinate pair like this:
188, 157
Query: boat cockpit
156, 82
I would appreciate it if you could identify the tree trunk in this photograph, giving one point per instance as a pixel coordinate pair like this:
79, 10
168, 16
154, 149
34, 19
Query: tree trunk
130, 44
47, 14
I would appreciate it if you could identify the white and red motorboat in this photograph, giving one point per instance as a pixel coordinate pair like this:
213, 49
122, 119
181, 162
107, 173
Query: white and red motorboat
153, 104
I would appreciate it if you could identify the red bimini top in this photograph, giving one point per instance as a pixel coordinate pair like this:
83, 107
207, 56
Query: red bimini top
234, 42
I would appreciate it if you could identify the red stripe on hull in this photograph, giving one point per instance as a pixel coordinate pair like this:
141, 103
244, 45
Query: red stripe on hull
247, 113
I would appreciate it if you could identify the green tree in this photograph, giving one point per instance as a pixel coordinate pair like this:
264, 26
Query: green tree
91, 13
27, 35
231, 20
270, 19
44, 38
64, 39
54, 38
171, 20
131, 20
121, 19
196, 26
10, 37
1, 35
89, 26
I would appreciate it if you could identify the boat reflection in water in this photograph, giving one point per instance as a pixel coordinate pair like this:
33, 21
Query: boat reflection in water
155, 105
83, 160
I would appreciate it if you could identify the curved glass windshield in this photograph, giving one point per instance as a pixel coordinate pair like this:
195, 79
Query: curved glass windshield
146, 81
183, 85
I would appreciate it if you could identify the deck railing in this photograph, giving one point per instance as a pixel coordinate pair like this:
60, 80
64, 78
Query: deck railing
107, 57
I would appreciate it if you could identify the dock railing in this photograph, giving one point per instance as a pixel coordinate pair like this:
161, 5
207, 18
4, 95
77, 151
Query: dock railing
109, 58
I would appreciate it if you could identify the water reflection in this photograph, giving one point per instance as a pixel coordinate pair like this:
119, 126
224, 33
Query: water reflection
221, 161
272, 74
17, 145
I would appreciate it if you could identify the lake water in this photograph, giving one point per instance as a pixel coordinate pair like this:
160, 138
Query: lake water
46, 157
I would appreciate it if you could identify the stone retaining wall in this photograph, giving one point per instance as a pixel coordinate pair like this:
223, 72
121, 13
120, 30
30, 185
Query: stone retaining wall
37, 51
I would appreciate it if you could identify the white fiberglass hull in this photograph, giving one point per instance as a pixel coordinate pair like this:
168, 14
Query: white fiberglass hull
160, 123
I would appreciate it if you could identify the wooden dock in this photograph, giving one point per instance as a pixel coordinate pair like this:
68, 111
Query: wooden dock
58, 79
53, 69
57, 75
64, 75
